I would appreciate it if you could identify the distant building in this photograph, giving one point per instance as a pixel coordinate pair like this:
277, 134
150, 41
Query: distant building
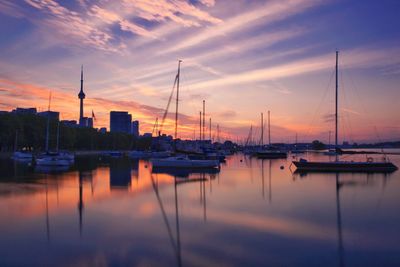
89, 122
86, 122
70, 123
120, 121
53, 115
135, 128
25, 111
103, 130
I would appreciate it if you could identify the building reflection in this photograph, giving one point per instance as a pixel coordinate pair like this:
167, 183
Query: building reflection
120, 174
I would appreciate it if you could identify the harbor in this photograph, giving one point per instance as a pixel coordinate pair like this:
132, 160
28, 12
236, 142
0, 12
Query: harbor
199, 133
129, 213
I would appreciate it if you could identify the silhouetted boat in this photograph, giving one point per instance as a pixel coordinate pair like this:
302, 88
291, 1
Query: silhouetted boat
270, 152
55, 158
343, 166
184, 162
20, 155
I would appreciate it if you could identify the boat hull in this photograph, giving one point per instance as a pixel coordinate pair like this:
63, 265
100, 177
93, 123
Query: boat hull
345, 166
271, 155
179, 163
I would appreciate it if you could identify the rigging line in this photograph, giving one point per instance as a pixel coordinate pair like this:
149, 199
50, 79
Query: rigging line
320, 104
358, 96
346, 117
169, 102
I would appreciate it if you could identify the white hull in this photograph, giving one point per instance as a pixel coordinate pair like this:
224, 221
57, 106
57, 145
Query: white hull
54, 160
182, 162
22, 156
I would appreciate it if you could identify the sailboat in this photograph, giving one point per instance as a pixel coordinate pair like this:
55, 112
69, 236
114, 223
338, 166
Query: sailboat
296, 150
270, 152
343, 166
20, 155
181, 161
54, 158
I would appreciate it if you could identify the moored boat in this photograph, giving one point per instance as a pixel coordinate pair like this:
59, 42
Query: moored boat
184, 162
344, 166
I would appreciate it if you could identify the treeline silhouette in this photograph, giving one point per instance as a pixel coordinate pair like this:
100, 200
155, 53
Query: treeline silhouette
30, 131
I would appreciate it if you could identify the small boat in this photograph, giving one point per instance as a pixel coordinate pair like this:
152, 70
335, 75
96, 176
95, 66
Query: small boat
20, 155
184, 162
344, 166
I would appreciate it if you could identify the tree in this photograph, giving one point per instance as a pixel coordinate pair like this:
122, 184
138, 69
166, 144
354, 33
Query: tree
317, 145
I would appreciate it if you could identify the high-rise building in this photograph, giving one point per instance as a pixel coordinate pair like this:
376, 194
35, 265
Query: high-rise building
25, 111
120, 121
81, 96
135, 128
53, 115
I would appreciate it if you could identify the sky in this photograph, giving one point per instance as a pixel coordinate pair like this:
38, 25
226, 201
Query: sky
242, 57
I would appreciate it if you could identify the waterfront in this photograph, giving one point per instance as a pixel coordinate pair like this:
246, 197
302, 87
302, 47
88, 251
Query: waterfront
117, 213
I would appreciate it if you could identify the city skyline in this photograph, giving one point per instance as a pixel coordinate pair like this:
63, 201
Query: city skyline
242, 58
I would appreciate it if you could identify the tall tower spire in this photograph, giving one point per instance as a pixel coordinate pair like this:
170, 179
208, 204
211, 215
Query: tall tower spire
81, 96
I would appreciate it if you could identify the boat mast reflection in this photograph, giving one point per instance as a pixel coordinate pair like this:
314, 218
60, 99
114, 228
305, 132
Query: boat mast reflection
176, 242
339, 223
47, 211
176, 245
269, 180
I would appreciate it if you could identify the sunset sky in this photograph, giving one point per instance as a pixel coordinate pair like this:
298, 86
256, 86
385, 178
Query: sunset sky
242, 57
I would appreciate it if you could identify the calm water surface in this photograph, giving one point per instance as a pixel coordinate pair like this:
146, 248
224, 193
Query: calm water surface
252, 213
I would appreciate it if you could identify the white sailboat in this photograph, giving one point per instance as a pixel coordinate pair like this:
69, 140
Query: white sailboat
55, 158
181, 161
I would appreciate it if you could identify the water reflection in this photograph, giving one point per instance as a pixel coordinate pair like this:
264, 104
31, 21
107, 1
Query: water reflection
204, 218
120, 174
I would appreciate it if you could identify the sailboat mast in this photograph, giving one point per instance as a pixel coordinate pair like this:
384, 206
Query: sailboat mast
204, 119
58, 136
262, 129
177, 98
200, 126
48, 125
210, 130
336, 101
269, 129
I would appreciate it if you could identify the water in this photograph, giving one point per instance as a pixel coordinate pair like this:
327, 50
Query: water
251, 213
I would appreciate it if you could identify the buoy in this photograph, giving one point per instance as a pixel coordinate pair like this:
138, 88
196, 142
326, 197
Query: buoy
241, 160
282, 167
145, 166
